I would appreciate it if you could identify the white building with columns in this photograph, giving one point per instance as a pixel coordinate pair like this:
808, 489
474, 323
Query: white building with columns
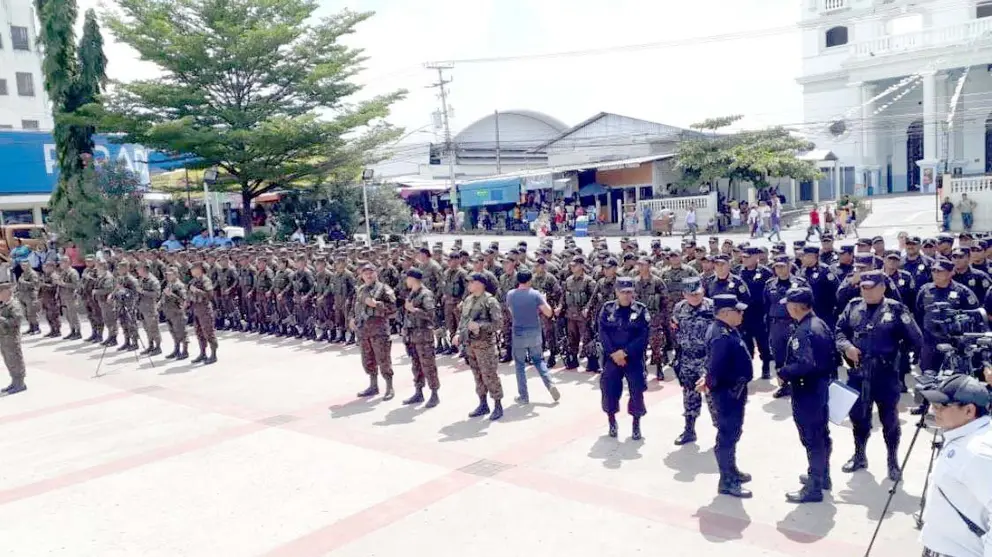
879, 82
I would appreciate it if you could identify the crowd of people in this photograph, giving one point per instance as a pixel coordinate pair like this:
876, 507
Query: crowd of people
702, 313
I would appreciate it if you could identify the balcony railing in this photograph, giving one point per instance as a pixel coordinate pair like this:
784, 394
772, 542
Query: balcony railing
829, 6
961, 34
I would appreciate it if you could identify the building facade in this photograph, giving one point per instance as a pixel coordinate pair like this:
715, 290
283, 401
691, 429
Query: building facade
23, 102
898, 90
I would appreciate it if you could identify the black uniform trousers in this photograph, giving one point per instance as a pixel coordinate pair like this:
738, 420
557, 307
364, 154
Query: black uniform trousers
611, 386
729, 407
810, 412
877, 382
755, 334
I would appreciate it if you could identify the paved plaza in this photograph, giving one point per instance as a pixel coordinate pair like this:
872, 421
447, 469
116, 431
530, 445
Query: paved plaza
268, 453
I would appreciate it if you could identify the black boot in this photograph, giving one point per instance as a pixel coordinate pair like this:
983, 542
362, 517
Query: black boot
156, 349
212, 358
826, 484
111, 341
389, 394
184, 353
892, 462
76, 335
417, 397
811, 492
636, 434
507, 356
373, 388
497, 411
351, 339
200, 359
144, 352
323, 336
688, 434
439, 347
592, 364
659, 371
732, 487
783, 391
481, 409
125, 346
133, 345
552, 360
859, 461
433, 400
174, 353
571, 362
71, 335
614, 430
766, 370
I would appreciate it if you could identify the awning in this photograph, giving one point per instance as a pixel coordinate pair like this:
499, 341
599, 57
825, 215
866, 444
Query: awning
592, 189
489, 192
271, 197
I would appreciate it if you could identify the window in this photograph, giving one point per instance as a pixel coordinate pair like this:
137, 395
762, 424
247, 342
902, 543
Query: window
836, 36
6, 127
19, 38
29, 124
3, 87
983, 9
25, 84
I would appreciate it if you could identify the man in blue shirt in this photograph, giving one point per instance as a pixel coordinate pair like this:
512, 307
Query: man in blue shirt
526, 305
202, 240
172, 244
222, 241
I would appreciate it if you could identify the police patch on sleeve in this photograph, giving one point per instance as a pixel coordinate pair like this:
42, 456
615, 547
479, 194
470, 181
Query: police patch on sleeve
831, 277
742, 289
794, 344
906, 318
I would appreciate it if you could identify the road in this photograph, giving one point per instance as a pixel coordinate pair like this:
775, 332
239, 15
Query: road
268, 453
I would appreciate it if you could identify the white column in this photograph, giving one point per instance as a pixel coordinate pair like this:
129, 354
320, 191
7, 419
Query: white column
868, 149
36, 214
930, 144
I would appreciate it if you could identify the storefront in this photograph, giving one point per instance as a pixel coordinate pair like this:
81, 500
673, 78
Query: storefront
495, 198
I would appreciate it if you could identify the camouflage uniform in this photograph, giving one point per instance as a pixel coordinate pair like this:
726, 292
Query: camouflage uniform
302, 297
227, 295
149, 291
27, 294
262, 296
579, 291
48, 293
343, 291
102, 289
372, 327
282, 286
455, 281
126, 301
691, 324
546, 283
323, 302
507, 282
68, 282
200, 292
418, 334
90, 303
673, 278
486, 312
11, 316
174, 308
651, 292
246, 304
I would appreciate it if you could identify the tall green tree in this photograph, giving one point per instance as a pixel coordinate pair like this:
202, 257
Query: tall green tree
259, 88
752, 156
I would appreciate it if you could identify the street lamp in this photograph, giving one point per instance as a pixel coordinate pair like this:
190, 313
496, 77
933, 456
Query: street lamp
209, 178
367, 175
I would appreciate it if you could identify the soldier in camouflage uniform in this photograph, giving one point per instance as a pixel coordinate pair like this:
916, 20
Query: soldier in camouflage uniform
126, 301
28, 285
454, 287
49, 296
103, 288
650, 290
200, 291
283, 288
343, 286
481, 319
375, 302
227, 294
673, 275
302, 298
547, 284
149, 292
174, 309
507, 282
579, 291
323, 299
90, 303
246, 303
10, 339
263, 296
691, 320
418, 327
68, 283
433, 278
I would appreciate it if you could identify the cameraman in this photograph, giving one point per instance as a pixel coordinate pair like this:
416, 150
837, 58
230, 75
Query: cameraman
942, 289
959, 499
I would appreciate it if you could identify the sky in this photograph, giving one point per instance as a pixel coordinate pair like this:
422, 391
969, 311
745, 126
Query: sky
673, 85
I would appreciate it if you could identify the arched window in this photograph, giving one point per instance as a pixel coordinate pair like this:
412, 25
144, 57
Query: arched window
836, 36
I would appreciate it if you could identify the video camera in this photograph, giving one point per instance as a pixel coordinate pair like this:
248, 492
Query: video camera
966, 346
951, 324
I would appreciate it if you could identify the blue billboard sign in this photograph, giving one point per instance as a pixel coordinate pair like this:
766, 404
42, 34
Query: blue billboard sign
29, 163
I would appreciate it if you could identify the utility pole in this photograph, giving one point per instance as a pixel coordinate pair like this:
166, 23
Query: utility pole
448, 146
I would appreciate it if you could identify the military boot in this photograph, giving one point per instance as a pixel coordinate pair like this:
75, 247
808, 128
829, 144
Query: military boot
826, 484
571, 362
201, 358
389, 394
614, 430
552, 359
212, 357
76, 335
811, 492
54, 333
351, 339
156, 348
16, 386
111, 341
592, 364
174, 353
323, 336
497, 411
766, 370
373, 388
733, 488
688, 434
434, 400
184, 353
146, 351
506, 356
783, 391
481, 409
892, 463
71, 335
659, 371
126, 345
417, 397
859, 461
636, 434
133, 345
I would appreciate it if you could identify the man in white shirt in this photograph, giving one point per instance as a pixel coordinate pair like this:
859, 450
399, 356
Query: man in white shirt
959, 499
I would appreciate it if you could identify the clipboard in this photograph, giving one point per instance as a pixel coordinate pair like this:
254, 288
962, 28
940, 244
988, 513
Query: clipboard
841, 400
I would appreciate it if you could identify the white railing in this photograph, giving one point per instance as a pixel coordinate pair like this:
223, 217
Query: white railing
927, 38
979, 189
971, 184
828, 6
706, 207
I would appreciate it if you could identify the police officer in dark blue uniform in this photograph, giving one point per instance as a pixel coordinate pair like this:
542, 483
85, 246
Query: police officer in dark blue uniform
822, 282
916, 263
845, 263
871, 333
809, 365
755, 327
827, 254
977, 281
942, 289
624, 327
728, 371
723, 282
780, 325
851, 288
902, 279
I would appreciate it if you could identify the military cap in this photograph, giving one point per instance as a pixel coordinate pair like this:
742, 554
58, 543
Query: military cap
877, 240
629, 256
89, 258
692, 285
124, 263
578, 260
424, 251
847, 249
728, 242
541, 261
965, 236
827, 238
714, 240
871, 279
811, 250
674, 253
985, 243
367, 267
477, 277
942, 264
625, 284
945, 239
721, 258
864, 260
865, 242
455, 255
751, 251
727, 301
800, 295
929, 243
655, 243
610, 262
912, 240
644, 261
781, 260
490, 251
416, 273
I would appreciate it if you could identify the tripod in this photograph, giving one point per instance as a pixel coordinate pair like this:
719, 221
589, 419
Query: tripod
920, 426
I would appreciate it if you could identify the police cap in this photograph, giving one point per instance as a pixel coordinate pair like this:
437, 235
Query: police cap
727, 301
827, 238
912, 240
893, 254
721, 258
877, 240
864, 260
800, 295
751, 251
865, 242
781, 260
847, 249
692, 285
929, 243
416, 273
625, 284
942, 264
811, 250
945, 239
871, 279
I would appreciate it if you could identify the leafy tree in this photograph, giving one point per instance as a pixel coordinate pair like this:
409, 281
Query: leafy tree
751, 156
387, 211
74, 77
259, 88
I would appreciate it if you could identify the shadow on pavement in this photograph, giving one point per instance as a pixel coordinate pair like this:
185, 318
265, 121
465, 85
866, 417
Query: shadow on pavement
809, 522
402, 415
471, 428
355, 407
724, 519
688, 462
613, 453
864, 490
780, 409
